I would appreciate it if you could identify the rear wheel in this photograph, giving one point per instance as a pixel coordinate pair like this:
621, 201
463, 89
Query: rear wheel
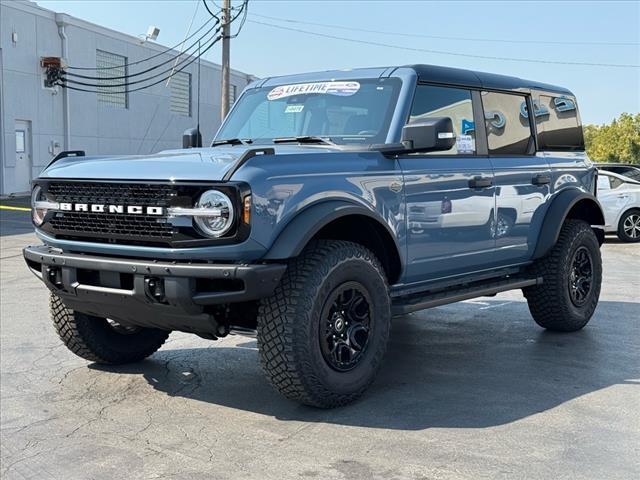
103, 340
324, 331
572, 276
629, 226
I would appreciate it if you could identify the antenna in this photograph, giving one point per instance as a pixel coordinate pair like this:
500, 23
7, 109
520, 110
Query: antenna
198, 107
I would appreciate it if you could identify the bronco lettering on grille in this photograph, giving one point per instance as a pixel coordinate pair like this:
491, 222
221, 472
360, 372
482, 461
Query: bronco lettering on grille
102, 208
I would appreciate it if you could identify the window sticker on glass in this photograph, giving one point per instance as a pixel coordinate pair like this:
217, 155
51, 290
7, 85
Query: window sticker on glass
465, 144
342, 89
293, 108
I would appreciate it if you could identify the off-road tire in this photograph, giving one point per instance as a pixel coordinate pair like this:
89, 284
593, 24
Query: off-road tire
550, 303
94, 339
290, 324
630, 215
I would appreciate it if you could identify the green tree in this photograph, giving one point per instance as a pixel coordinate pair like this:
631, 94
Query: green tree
617, 142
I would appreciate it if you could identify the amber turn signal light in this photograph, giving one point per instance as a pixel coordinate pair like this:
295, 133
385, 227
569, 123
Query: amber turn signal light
246, 210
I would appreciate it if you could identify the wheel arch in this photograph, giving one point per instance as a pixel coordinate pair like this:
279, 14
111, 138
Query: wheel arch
339, 220
574, 204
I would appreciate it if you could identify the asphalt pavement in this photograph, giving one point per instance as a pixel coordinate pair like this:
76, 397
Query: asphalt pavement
468, 391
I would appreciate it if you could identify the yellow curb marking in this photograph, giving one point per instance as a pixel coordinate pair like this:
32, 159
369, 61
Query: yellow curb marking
19, 209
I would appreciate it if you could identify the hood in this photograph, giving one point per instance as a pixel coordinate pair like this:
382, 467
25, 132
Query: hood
193, 164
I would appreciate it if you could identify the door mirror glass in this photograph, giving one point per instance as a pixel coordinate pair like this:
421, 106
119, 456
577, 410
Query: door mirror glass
429, 135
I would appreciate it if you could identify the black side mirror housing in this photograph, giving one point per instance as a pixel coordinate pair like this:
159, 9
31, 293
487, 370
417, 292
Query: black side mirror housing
191, 138
429, 135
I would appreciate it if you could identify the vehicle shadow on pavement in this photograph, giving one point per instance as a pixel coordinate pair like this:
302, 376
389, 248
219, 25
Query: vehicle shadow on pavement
459, 366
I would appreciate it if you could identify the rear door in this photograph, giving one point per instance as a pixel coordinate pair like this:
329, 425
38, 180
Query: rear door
449, 195
522, 176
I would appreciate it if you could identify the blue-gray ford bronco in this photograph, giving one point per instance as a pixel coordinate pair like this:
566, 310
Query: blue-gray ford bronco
327, 204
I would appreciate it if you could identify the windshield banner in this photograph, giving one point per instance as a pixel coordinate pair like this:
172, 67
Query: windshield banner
343, 89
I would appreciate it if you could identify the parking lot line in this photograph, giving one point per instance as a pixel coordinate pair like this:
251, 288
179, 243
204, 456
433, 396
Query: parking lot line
19, 209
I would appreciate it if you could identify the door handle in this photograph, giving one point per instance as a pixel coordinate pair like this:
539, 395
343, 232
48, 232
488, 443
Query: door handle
541, 179
480, 182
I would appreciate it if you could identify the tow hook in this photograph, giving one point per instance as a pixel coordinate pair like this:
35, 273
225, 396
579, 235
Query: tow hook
154, 288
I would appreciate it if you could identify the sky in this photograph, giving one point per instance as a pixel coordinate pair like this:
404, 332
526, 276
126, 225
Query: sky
549, 31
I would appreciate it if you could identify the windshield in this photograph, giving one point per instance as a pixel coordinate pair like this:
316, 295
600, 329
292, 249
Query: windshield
353, 111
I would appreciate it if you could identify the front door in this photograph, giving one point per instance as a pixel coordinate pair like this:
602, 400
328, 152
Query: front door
449, 195
23, 174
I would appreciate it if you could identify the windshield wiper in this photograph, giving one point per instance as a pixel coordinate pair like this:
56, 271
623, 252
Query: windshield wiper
304, 139
232, 141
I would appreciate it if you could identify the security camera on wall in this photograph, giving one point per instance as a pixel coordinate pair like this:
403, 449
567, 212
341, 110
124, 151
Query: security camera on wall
152, 33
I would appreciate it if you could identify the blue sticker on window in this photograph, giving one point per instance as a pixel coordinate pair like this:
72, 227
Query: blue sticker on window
564, 104
467, 126
538, 110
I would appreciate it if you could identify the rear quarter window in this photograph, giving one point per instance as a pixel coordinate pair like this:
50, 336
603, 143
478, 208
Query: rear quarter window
557, 123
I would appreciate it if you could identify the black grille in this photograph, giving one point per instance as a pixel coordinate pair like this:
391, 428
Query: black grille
141, 226
112, 193
106, 227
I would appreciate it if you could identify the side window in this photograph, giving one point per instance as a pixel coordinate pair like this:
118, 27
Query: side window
557, 123
615, 182
455, 103
507, 122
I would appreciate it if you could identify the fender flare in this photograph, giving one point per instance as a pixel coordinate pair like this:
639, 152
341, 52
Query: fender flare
301, 229
558, 212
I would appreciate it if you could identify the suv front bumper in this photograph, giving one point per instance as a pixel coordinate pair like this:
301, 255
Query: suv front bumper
149, 293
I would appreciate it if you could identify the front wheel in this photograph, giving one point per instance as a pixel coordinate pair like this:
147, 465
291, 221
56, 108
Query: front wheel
102, 340
629, 227
324, 331
571, 279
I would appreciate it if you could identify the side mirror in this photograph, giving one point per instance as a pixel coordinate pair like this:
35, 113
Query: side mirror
191, 138
429, 135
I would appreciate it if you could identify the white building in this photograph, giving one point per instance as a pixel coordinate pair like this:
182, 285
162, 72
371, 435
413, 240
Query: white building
38, 122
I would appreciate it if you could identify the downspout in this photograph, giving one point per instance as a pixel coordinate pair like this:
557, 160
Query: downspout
65, 92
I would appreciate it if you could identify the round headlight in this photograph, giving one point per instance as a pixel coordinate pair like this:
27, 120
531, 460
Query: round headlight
37, 211
218, 214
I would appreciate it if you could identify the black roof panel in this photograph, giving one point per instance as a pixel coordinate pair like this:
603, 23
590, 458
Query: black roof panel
470, 78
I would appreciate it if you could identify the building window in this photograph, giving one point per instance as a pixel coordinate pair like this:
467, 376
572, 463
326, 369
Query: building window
110, 70
455, 103
507, 122
232, 95
180, 86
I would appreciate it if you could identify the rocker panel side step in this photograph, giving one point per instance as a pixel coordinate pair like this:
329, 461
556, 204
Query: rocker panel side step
402, 306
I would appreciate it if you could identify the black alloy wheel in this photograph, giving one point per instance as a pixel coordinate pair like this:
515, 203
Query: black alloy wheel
581, 276
346, 324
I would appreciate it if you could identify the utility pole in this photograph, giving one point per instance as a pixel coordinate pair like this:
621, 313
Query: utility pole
226, 33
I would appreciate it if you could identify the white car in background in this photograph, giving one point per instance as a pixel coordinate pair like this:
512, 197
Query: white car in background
620, 200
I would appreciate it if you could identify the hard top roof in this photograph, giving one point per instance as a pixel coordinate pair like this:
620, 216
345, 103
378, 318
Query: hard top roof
470, 78
425, 73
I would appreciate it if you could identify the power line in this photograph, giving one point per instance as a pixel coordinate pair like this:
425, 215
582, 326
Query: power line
210, 12
442, 52
184, 63
166, 62
440, 37
245, 9
148, 58
63, 82
193, 18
